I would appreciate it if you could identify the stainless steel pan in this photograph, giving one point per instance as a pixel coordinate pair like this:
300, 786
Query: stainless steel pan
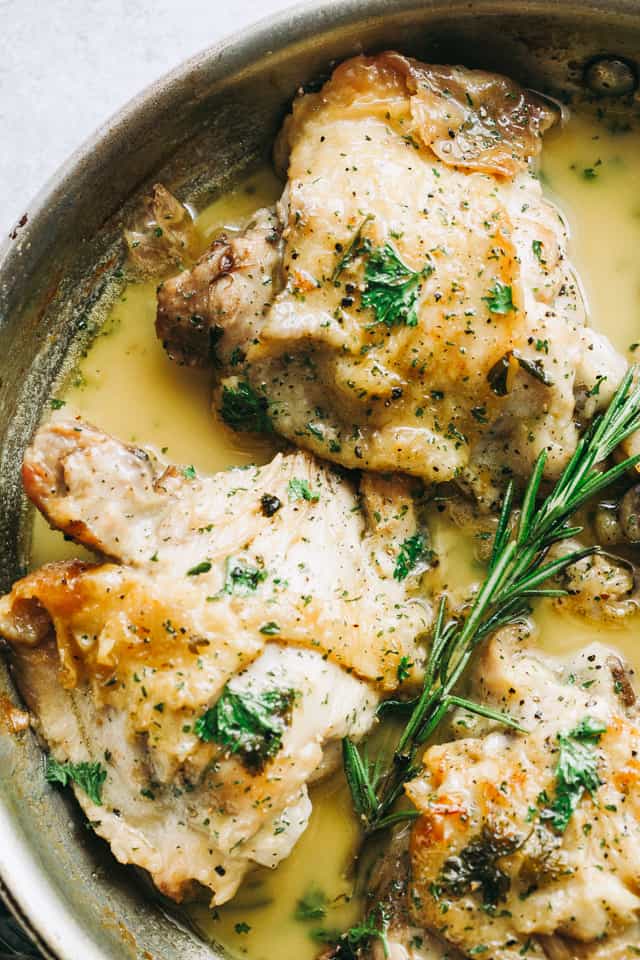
196, 130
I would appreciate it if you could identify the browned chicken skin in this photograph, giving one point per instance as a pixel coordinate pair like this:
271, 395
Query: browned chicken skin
482, 359
255, 583
498, 859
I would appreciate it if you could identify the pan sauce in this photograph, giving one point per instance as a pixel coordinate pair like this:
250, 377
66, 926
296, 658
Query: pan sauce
127, 386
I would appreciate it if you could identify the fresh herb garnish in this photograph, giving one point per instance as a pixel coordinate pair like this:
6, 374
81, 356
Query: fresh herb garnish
404, 669
203, 567
519, 568
392, 287
313, 906
411, 552
189, 473
248, 724
242, 578
576, 772
476, 867
348, 944
88, 776
57, 404
499, 299
270, 629
300, 490
536, 246
245, 410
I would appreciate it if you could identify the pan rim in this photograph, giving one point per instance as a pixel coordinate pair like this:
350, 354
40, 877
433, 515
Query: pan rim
273, 33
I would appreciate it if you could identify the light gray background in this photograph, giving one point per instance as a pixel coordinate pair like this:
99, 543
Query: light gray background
67, 65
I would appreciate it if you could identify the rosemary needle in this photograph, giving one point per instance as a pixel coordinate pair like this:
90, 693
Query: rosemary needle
518, 570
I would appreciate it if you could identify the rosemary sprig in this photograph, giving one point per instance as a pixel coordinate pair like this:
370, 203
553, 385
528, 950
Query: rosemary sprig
517, 572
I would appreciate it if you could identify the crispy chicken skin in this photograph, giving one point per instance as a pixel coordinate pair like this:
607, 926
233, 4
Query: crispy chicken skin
264, 579
493, 872
494, 364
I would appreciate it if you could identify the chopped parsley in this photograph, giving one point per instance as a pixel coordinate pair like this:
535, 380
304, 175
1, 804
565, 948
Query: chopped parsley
300, 490
392, 287
88, 776
348, 945
412, 551
476, 867
536, 246
576, 772
242, 578
270, 629
248, 724
404, 669
313, 906
203, 567
189, 473
499, 299
245, 410
57, 404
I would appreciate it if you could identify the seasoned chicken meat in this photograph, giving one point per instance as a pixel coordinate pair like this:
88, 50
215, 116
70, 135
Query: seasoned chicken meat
195, 683
409, 304
528, 844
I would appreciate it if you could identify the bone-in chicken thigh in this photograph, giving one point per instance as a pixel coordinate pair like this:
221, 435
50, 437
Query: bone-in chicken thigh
528, 843
409, 304
205, 674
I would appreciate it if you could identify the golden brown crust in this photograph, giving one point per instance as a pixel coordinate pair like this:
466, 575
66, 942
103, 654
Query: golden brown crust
470, 119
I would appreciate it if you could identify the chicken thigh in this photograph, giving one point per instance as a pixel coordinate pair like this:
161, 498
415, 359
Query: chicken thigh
195, 684
528, 844
409, 304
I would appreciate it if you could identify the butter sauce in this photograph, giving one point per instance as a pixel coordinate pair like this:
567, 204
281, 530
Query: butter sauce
128, 386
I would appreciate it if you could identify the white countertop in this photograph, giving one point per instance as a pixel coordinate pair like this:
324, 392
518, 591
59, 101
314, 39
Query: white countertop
67, 65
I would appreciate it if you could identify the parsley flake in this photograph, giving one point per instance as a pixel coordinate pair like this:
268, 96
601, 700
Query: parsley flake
404, 669
300, 490
576, 771
412, 551
243, 409
499, 299
392, 288
88, 776
313, 906
242, 578
248, 724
